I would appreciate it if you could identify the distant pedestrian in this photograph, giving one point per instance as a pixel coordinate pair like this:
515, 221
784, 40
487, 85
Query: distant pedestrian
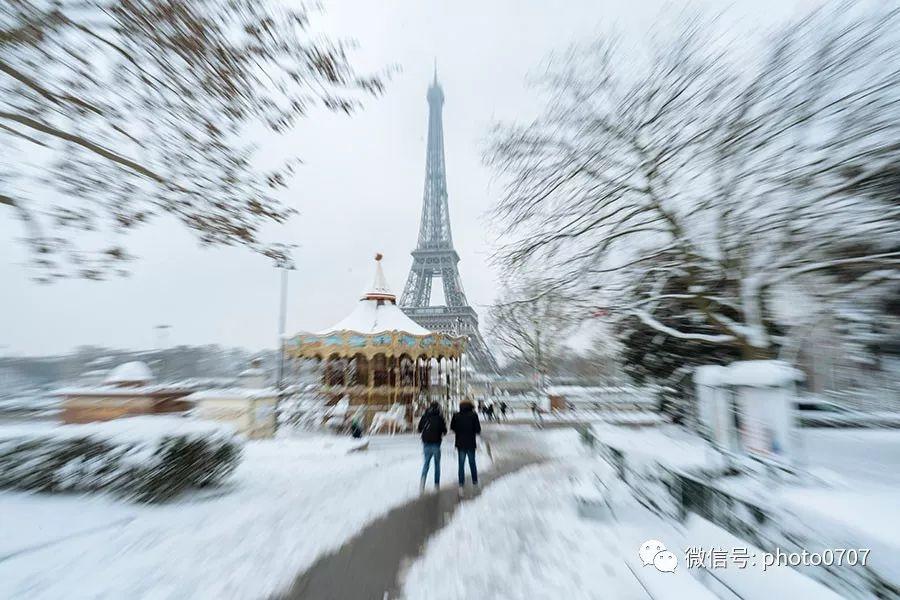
432, 426
356, 427
466, 426
503, 409
538, 414
489, 411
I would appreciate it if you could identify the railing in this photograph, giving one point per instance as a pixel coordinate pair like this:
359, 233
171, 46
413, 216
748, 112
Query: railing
674, 494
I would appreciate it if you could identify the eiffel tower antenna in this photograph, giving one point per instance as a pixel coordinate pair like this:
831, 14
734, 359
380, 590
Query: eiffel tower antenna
435, 256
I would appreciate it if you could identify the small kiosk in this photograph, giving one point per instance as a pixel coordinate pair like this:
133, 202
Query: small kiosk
747, 408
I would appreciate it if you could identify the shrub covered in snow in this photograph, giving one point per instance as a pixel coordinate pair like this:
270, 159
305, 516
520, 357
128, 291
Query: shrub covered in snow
146, 459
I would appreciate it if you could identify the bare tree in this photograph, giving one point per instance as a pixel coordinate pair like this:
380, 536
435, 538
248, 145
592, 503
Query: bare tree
704, 175
531, 324
116, 111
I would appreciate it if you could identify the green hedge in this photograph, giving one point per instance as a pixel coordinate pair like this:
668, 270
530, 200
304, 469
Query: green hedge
145, 459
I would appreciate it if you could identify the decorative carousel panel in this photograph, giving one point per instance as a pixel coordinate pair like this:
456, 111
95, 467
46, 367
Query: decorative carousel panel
389, 343
382, 339
334, 340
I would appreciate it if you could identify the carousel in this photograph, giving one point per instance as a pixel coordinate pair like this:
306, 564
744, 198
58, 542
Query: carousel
379, 366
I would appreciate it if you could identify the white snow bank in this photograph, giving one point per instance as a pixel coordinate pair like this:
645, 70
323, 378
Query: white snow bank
667, 446
32, 521
752, 581
864, 516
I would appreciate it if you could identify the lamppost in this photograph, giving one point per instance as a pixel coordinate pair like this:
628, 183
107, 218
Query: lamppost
285, 266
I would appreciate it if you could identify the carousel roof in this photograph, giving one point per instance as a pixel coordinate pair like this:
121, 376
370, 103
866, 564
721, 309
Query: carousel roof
371, 317
377, 311
376, 325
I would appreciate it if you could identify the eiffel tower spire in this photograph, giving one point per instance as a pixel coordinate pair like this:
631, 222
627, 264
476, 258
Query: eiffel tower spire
434, 255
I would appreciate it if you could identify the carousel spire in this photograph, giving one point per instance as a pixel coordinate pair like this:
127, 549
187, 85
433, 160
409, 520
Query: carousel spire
380, 289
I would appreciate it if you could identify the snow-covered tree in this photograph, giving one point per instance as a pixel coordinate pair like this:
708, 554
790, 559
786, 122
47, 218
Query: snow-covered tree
692, 172
113, 112
530, 324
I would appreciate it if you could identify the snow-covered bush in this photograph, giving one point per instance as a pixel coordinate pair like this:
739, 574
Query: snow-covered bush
146, 459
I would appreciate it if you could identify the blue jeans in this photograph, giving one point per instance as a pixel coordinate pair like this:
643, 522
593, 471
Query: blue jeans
432, 451
462, 454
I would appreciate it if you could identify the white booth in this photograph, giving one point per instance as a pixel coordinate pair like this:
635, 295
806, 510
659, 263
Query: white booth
747, 408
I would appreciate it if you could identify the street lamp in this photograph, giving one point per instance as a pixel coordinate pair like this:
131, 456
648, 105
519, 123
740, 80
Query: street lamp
285, 266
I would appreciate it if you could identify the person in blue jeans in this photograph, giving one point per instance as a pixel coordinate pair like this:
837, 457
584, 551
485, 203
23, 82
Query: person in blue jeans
432, 427
466, 426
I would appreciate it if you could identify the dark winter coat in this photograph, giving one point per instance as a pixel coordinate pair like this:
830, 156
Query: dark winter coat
466, 426
432, 426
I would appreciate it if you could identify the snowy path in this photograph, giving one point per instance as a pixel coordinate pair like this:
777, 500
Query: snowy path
368, 566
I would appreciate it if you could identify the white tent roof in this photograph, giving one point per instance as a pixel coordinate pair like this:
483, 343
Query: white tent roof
371, 317
377, 311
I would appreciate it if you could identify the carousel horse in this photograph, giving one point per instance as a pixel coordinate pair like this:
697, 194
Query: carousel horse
394, 419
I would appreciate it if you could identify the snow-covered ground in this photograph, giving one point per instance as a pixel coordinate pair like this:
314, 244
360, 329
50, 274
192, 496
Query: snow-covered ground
524, 539
869, 456
293, 500
290, 501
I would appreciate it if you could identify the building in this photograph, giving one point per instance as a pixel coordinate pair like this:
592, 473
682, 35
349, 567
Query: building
249, 406
128, 390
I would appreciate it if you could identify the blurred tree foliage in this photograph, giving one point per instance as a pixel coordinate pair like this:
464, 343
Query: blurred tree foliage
116, 111
680, 182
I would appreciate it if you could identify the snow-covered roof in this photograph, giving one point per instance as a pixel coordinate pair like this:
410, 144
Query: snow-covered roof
761, 373
130, 372
373, 316
710, 375
748, 373
117, 390
377, 311
234, 393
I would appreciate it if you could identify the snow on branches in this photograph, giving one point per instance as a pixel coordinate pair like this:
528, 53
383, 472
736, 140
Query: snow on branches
115, 112
696, 176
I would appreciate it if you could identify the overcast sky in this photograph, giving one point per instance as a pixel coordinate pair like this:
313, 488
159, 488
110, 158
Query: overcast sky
360, 190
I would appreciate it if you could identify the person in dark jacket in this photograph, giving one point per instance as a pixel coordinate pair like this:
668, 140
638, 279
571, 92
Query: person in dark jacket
466, 426
432, 426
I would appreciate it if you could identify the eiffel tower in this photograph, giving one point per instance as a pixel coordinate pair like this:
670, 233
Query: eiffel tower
434, 255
